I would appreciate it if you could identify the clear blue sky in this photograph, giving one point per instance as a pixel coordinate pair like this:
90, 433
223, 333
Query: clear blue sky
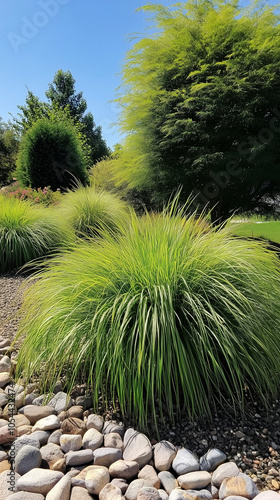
87, 37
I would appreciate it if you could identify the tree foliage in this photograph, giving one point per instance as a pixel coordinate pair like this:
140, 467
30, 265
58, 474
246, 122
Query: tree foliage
9, 144
51, 154
201, 105
62, 96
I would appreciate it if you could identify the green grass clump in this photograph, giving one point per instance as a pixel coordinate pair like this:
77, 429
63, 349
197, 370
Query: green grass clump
167, 315
92, 212
28, 232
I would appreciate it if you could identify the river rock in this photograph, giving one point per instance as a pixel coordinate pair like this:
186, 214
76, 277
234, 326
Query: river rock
61, 401
124, 469
47, 423
137, 447
111, 426
95, 422
148, 493
242, 485
42, 436
61, 491
110, 492
92, 439
223, 472
106, 456
78, 493
267, 495
113, 440
28, 457
194, 480
79, 457
39, 481
73, 426
134, 487
21, 495
96, 479
212, 459
72, 442
5, 378
168, 481
35, 413
164, 454
120, 483
184, 462
55, 437
149, 475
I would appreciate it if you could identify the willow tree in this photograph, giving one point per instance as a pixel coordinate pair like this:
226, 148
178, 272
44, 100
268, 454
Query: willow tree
201, 105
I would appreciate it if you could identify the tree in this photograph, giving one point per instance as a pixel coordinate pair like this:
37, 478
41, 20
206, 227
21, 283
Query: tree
9, 144
62, 96
62, 93
51, 154
201, 105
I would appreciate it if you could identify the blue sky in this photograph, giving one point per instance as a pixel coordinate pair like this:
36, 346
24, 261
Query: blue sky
87, 37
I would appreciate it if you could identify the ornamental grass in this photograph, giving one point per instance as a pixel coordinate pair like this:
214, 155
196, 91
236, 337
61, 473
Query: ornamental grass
91, 213
28, 232
167, 317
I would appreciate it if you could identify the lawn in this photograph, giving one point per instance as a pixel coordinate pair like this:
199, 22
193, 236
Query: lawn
269, 230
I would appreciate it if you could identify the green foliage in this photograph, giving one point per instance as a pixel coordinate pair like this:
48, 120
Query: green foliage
62, 97
51, 154
92, 212
43, 196
172, 314
28, 232
9, 144
201, 104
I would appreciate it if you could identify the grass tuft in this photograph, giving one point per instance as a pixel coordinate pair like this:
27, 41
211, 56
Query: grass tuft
168, 315
92, 212
28, 232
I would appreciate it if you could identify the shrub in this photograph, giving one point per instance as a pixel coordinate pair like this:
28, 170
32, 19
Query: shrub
91, 212
43, 196
169, 315
51, 154
28, 232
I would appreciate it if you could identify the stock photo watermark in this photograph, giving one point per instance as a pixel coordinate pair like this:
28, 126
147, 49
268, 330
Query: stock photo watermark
12, 431
31, 26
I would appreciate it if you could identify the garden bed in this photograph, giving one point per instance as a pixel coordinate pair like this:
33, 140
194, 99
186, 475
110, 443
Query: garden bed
253, 441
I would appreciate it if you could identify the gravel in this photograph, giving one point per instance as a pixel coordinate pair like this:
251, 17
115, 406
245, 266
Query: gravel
252, 441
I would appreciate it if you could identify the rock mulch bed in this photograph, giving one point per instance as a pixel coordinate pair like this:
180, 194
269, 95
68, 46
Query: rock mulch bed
58, 453
64, 451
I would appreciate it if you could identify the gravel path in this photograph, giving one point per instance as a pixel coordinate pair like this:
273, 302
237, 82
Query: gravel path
252, 442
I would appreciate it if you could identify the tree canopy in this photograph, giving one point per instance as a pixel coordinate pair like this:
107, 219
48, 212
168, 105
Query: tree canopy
200, 104
9, 144
62, 96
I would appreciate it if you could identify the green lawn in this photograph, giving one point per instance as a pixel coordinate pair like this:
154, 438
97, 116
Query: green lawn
269, 230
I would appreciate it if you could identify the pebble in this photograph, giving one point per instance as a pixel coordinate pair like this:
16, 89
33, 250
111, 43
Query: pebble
35, 413
148, 493
5, 365
137, 447
27, 458
79, 493
169, 482
110, 492
80, 457
241, 485
106, 456
212, 459
38, 481
184, 462
113, 440
61, 491
149, 475
133, 489
124, 469
111, 426
93, 439
164, 454
223, 472
96, 479
95, 422
47, 423
194, 480
61, 402
69, 442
